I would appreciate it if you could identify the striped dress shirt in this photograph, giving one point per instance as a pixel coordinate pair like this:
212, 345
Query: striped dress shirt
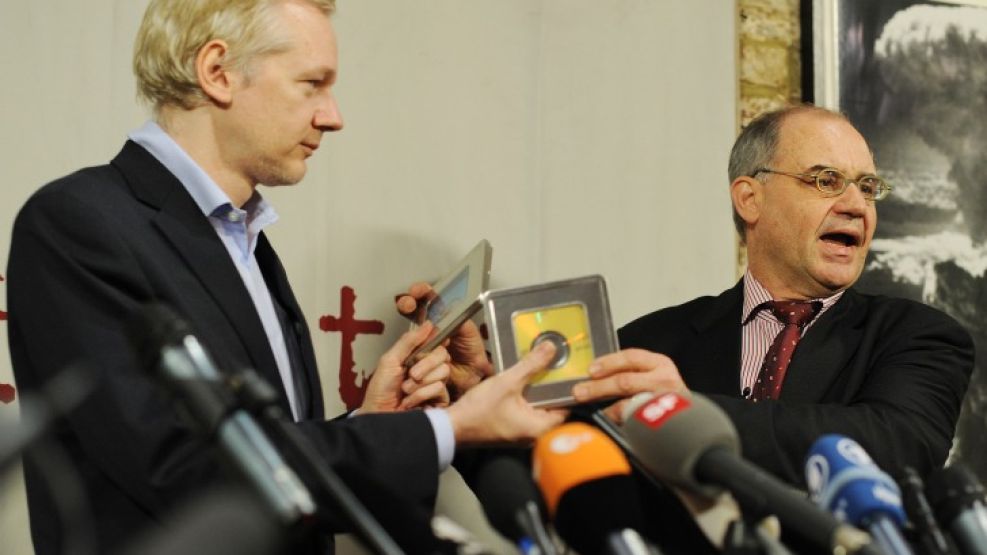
759, 328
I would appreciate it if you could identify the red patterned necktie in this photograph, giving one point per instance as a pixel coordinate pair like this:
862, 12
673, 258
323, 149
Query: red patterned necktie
794, 315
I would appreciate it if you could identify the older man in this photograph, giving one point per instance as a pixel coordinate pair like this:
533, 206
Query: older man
792, 351
242, 94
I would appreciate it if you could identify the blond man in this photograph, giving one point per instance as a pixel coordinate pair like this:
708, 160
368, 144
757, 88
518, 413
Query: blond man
242, 93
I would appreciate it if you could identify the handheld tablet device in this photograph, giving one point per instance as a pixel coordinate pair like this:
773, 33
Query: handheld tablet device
454, 298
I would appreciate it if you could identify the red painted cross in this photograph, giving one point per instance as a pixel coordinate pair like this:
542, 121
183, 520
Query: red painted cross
349, 327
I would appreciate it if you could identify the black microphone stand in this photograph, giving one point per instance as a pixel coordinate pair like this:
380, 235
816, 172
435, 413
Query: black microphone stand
30, 439
259, 398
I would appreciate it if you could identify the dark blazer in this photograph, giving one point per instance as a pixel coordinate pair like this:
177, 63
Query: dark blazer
890, 373
87, 251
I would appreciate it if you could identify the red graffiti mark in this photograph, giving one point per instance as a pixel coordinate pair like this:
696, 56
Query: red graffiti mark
350, 327
7, 393
3, 315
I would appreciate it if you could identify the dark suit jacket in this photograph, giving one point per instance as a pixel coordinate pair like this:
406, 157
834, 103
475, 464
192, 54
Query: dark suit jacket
87, 251
890, 373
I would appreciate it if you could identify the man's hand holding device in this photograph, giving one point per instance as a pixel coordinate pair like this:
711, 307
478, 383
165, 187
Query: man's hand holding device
573, 315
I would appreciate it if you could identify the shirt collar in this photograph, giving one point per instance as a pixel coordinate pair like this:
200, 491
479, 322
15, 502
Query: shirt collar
208, 196
755, 295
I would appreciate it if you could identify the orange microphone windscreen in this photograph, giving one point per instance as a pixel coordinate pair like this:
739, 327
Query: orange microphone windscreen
573, 454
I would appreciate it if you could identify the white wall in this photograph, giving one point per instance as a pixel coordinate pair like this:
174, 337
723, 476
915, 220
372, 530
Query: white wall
578, 136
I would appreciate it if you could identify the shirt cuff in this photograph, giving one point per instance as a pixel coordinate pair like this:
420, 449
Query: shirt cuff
445, 439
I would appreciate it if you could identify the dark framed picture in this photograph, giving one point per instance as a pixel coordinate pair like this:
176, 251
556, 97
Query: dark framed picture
912, 76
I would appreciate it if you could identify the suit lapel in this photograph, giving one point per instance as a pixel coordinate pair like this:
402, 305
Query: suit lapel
277, 282
181, 222
824, 351
712, 363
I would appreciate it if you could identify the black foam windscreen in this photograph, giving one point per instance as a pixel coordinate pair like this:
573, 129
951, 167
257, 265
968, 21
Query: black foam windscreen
153, 326
228, 522
504, 488
588, 486
589, 512
953, 489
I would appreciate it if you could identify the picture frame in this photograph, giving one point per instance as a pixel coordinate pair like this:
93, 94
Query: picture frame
909, 74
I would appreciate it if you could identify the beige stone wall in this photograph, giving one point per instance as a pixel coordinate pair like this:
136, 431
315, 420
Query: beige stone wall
769, 63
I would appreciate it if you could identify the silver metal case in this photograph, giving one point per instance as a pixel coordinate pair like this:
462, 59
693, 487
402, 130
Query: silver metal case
455, 298
574, 314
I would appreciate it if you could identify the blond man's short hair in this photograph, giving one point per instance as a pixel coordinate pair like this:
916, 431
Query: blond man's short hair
173, 31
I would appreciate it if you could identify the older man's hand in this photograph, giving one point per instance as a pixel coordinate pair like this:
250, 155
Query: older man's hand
623, 374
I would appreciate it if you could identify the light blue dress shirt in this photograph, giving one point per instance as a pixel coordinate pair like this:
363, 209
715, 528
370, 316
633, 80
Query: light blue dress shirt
238, 229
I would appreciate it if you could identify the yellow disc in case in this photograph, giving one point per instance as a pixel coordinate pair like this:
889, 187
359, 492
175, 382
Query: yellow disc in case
567, 326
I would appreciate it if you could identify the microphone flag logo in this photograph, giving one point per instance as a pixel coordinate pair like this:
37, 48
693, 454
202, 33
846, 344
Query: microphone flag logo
816, 475
655, 412
853, 452
563, 444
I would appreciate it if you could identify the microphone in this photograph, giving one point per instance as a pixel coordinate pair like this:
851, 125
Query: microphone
844, 480
513, 505
589, 491
691, 443
957, 497
934, 541
165, 343
222, 522
40, 412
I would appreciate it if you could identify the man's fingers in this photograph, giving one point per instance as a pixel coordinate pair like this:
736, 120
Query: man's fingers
434, 394
533, 362
408, 301
433, 368
423, 367
628, 360
408, 341
439, 374
406, 304
419, 289
623, 384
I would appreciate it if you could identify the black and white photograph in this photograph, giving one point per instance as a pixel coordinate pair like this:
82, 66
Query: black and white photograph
912, 77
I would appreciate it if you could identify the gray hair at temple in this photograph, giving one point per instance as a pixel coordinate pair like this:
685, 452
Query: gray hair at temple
756, 146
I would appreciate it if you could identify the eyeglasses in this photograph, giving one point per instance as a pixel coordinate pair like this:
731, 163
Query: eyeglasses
831, 182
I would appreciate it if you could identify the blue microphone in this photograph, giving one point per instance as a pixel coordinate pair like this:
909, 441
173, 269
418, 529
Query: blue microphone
844, 480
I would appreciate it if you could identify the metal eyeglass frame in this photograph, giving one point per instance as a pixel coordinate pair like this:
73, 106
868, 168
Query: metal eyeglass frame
881, 188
